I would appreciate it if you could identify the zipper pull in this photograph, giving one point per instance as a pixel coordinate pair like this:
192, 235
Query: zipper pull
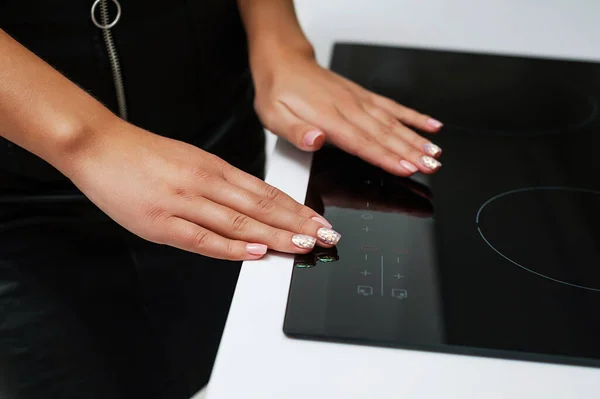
104, 12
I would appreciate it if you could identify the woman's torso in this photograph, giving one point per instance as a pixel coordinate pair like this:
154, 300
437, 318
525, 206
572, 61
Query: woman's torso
183, 63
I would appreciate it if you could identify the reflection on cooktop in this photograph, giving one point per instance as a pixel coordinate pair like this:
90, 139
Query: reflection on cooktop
484, 104
549, 231
496, 254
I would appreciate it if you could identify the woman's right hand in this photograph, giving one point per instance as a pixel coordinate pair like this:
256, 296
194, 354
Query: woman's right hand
173, 193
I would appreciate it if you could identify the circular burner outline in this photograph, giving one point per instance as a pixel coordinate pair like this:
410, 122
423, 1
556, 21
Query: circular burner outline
591, 99
520, 190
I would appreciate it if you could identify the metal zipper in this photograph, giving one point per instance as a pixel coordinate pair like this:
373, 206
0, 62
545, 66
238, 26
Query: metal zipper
113, 56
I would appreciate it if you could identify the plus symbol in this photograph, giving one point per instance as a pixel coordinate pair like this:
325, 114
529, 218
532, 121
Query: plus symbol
367, 229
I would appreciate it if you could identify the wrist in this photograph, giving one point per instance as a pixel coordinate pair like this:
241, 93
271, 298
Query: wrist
272, 51
75, 139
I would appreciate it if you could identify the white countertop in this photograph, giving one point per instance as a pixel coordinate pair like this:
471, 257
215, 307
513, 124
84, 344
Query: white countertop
256, 359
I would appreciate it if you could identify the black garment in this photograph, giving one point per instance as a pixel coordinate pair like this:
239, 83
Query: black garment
184, 64
87, 309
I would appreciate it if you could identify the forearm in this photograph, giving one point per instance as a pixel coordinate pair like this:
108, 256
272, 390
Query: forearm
40, 109
273, 30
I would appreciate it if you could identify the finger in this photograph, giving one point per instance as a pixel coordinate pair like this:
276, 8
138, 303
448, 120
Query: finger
424, 152
407, 115
190, 237
410, 157
354, 140
371, 152
258, 187
408, 135
237, 226
283, 122
270, 213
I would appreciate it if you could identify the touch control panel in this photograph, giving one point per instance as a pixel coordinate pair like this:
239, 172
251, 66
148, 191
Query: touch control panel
379, 282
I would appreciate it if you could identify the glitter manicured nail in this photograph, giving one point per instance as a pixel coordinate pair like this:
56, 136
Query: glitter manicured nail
304, 242
430, 163
329, 236
432, 149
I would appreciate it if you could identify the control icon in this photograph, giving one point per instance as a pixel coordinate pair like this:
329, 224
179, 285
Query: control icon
364, 290
369, 248
399, 293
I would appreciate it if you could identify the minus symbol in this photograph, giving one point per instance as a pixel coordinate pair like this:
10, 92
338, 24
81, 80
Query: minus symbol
366, 256
367, 204
398, 259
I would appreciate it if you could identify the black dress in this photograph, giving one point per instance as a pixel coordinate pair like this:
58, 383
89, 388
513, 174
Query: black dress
87, 309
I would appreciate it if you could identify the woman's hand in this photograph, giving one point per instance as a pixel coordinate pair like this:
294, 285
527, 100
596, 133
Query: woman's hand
173, 193
306, 104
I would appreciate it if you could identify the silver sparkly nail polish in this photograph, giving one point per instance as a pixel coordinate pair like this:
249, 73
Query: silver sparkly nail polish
329, 236
302, 241
432, 149
430, 162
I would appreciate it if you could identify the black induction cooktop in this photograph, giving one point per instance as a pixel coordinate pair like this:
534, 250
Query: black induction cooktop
497, 254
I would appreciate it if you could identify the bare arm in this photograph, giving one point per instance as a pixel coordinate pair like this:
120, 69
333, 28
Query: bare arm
41, 110
161, 189
307, 104
272, 28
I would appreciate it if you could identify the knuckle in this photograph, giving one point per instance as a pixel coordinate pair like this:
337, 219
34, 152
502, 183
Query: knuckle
199, 173
265, 205
230, 252
385, 132
303, 210
182, 191
384, 117
156, 214
303, 224
389, 120
200, 239
272, 193
240, 222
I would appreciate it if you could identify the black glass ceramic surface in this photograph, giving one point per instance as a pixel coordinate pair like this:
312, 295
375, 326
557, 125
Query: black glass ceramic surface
498, 253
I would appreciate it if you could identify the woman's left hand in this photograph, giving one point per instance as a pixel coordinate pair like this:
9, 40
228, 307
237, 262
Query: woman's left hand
306, 104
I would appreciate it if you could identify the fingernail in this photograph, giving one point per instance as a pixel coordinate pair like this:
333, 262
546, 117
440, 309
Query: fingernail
311, 137
432, 149
321, 220
256, 249
430, 163
409, 166
434, 123
329, 236
304, 242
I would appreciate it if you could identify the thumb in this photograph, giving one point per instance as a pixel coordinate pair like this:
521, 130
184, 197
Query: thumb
307, 138
303, 135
